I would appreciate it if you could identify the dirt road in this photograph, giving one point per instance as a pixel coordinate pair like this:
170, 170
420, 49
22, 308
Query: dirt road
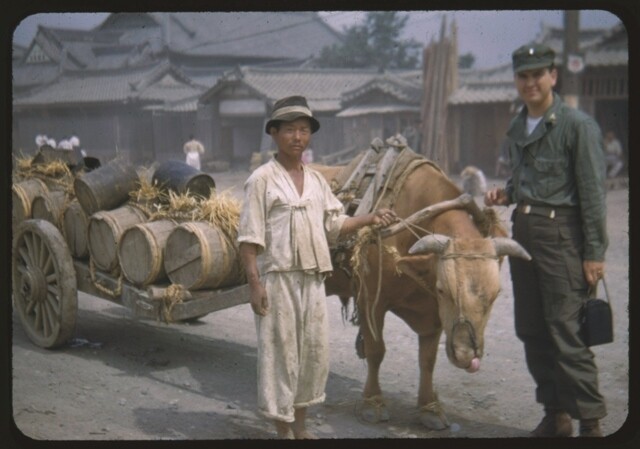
124, 379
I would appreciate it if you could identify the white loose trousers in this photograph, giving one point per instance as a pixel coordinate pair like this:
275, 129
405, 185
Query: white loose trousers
293, 344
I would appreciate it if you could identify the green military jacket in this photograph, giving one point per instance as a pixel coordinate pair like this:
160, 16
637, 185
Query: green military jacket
561, 163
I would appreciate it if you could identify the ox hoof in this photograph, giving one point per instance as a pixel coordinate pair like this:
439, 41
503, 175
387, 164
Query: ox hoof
375, 410
432, 416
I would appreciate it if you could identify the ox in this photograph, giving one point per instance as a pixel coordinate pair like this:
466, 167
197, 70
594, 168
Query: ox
446, 280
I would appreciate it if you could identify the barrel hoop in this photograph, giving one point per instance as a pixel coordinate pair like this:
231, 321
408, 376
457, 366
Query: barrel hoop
156, 252
206, 262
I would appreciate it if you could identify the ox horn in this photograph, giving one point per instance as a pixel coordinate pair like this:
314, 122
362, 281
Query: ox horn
509, 247
434, 243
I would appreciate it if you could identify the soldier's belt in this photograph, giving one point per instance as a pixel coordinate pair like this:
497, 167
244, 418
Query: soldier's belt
546, 211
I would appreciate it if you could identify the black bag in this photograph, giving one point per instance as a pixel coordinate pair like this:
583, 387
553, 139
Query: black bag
597, 320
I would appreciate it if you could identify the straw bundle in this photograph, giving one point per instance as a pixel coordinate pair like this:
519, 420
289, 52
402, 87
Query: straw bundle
222, 211
55, 172
148, 197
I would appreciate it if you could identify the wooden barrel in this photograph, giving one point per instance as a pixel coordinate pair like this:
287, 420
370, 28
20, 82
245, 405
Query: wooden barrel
49, 206
22, 195
107, 187
75, 224
181, 177
198, 256
141, 251
104, 232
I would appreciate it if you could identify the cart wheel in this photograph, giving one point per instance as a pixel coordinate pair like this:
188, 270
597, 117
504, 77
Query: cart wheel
44, 283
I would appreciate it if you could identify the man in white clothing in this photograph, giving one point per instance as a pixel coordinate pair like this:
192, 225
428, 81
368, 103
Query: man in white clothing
290, 217
193, 149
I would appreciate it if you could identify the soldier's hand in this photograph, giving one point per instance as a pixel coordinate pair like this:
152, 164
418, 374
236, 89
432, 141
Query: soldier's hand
496, 197
593, 271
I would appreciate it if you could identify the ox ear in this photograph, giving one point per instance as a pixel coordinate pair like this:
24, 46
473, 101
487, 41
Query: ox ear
434, 243
509, 247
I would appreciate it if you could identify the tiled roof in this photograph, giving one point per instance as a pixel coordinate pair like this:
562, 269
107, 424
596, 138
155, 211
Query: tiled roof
601, 47
492, 85
151, 84
270, 35
184, 105
323, 88
34, 74
484, 94
386, 108
401, 89
606, 57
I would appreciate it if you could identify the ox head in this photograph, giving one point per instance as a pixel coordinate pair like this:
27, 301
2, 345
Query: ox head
468, 282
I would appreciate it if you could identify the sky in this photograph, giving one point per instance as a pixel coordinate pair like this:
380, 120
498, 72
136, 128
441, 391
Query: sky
490, 36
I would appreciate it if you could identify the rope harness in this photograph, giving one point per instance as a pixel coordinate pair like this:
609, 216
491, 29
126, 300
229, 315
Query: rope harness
462, 320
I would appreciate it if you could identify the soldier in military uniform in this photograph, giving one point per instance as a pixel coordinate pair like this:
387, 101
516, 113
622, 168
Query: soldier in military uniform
557, 186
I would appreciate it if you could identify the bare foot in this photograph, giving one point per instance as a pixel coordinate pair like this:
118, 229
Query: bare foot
304, 435
284, 431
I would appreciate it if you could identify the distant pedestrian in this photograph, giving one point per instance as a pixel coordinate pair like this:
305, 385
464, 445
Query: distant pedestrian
307, 156
613, 154
41, 140
193, 149
64, 144
75, 144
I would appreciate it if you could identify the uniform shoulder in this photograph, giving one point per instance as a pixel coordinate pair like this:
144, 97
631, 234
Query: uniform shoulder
575, 115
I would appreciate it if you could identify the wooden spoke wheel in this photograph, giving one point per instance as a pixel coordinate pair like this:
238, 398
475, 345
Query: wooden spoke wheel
44, 283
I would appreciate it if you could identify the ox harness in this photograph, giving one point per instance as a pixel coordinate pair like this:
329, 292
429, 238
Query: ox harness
462, 320
373, 180
370, 181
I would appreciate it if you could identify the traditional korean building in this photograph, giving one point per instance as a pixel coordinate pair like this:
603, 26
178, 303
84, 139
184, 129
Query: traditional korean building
131, 84
353, 107
141, 83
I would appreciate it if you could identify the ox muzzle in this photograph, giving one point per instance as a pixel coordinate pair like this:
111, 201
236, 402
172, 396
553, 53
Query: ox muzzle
462, 328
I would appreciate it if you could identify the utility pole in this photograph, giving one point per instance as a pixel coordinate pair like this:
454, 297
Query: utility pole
572, 60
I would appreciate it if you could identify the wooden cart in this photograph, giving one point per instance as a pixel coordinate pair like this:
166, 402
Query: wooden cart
46, 280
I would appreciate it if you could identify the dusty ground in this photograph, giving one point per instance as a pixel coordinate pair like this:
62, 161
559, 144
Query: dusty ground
124, 379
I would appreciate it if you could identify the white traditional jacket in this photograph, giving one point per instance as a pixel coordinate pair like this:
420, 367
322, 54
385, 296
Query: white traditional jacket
296, 231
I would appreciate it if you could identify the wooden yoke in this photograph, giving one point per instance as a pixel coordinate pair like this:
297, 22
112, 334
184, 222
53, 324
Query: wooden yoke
465, 201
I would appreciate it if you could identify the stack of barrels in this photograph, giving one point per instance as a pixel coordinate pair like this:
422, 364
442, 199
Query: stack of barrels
102, 223
42, 189
120, 235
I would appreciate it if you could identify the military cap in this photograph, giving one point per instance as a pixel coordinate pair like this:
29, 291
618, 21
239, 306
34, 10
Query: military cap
291, 108
533, 56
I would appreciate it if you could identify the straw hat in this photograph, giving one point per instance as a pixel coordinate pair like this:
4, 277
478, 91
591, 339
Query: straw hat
291, 108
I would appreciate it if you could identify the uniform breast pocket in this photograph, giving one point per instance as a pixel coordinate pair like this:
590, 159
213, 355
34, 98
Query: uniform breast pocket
550, 176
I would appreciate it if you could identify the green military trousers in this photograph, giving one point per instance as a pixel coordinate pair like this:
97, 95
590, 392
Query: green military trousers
549, 292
